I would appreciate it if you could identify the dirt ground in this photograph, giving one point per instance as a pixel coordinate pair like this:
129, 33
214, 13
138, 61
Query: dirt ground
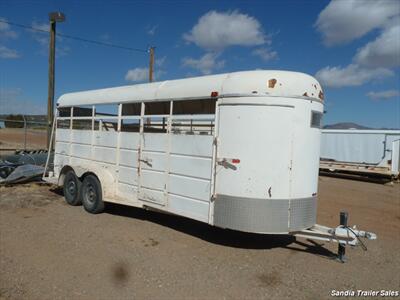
49, 250
14, 138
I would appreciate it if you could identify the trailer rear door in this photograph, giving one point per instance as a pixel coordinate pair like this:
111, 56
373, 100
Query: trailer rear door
254, 151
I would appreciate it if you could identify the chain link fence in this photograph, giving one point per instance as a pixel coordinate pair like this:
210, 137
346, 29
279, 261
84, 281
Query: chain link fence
20, 132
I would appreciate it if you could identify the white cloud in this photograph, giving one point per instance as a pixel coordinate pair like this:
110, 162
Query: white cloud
384, 51
5, 30
266, 54
160, 61
383, 94
352, 75
142, 74
345, 20
218, 30
137, 74
41, 36
41, 26
8, 53
152, 30
7, 33
205, 64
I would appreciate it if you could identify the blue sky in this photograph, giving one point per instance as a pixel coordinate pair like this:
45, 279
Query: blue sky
351, 46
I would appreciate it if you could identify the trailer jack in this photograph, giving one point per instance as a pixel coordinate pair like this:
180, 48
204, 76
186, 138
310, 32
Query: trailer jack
342, 234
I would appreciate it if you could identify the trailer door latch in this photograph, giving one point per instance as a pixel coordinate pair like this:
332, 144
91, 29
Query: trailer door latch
228, 163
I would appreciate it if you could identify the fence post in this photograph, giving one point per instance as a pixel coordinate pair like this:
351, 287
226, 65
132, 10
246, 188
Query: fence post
24, 132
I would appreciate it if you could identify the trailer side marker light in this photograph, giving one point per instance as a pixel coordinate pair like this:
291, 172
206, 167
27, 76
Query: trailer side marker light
214, 94
235, 161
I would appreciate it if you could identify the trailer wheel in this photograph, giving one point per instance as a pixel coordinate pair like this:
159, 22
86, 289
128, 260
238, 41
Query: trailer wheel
91, 194
71, 188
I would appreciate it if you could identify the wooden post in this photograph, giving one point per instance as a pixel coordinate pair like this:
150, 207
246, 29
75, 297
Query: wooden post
151, 65
50, 98
54, 17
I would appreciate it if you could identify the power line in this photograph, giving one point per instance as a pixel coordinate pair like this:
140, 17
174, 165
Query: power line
100, 43
76, 38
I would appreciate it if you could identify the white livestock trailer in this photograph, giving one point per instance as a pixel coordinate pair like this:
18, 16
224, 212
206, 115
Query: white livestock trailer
238, 150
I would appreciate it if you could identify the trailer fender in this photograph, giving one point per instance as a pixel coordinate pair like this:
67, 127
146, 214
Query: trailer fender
105, 176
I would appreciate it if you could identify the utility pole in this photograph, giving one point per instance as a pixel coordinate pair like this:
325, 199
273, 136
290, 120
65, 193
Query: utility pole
54, 17
151, 65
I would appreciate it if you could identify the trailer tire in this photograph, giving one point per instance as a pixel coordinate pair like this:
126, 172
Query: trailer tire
72, 189
91, 194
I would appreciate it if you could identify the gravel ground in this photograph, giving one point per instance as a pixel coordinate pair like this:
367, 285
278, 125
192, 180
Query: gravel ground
49, 250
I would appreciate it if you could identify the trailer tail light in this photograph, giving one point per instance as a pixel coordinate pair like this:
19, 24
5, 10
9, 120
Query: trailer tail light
214, 94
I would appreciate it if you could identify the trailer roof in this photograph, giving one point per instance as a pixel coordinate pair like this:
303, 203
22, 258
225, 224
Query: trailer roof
254, 83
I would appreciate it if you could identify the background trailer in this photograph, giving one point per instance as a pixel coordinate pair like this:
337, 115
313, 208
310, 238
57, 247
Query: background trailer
364, 152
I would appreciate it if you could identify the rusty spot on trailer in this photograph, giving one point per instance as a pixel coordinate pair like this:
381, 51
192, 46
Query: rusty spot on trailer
321, 95
305, 94
272, 82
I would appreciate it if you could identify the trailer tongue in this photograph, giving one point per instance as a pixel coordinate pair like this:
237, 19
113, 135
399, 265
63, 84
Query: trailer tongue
342, 234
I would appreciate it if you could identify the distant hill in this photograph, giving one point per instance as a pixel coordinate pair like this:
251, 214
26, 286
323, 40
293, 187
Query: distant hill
350, 125
346, 125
